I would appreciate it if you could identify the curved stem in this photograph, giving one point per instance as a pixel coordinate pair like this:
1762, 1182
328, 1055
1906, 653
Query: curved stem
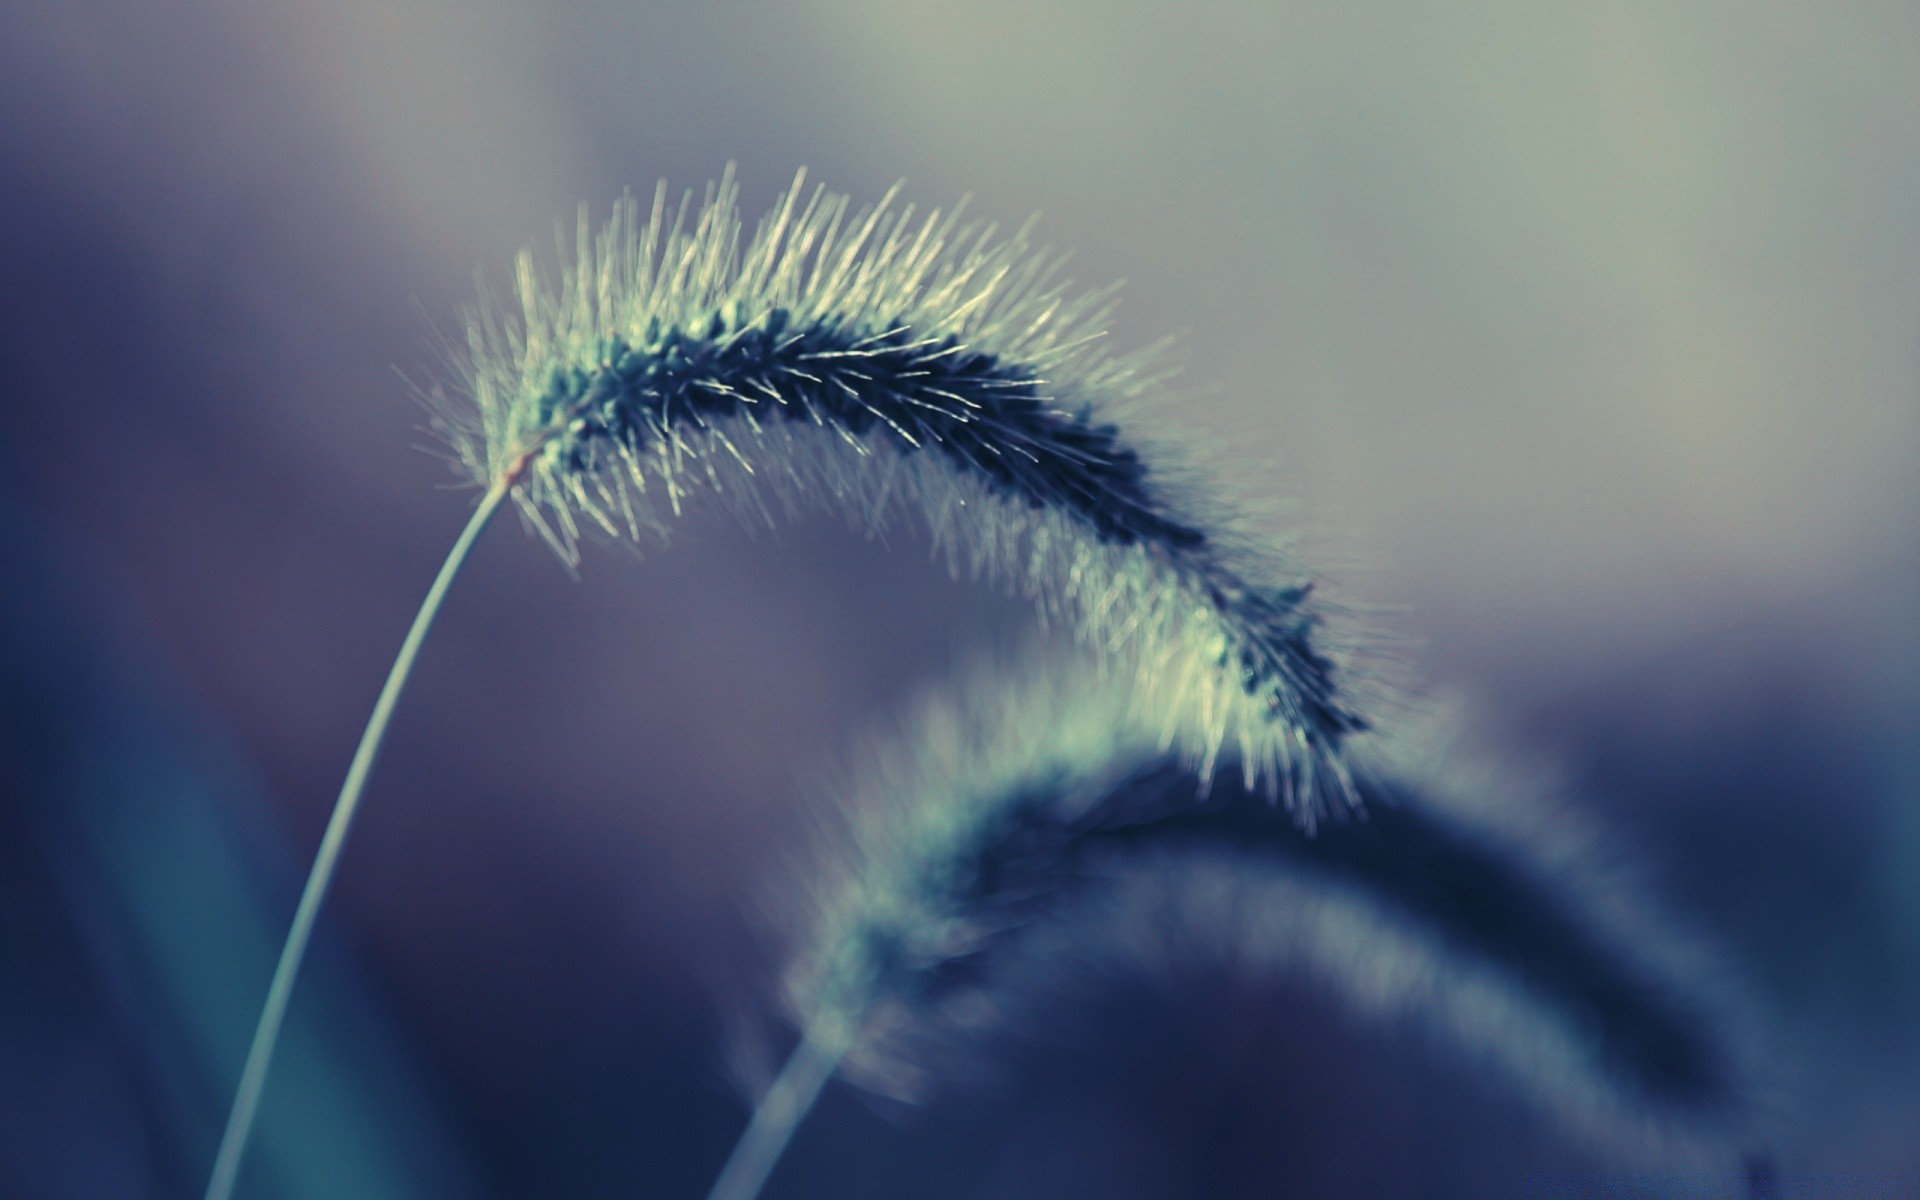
253, 1077
812, 1063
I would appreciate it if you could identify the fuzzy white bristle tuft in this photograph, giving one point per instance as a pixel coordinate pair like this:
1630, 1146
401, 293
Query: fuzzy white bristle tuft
877, 366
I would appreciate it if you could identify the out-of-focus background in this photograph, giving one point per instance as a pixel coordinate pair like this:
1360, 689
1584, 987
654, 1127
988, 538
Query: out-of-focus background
1582, 342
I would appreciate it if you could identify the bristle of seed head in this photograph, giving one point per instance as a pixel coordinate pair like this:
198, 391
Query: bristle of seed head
878, 364
1023, 829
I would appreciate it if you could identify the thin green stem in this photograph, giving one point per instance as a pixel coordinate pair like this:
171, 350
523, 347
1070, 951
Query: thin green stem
812, 1063
253, 1077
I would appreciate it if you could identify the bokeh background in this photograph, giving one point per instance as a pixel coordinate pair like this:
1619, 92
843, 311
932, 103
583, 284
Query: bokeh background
1581, 343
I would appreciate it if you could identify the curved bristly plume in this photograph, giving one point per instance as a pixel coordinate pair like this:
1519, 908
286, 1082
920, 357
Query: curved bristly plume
876, 364
868, 365
1029, 822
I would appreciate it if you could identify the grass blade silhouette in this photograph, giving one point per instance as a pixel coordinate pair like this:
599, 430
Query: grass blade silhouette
778, 1114
253, 1075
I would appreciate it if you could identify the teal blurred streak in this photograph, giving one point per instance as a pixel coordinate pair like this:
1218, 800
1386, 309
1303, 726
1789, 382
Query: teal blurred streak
145, 896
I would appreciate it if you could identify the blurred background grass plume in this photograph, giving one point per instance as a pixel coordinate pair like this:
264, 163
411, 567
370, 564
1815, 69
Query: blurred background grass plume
1594, 334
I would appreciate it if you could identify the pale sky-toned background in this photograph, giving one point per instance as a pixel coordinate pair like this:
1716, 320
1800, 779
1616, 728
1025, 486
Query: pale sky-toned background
1581, 342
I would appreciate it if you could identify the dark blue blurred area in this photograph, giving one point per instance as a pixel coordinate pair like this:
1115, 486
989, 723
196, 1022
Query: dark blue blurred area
144, 899
1599, 334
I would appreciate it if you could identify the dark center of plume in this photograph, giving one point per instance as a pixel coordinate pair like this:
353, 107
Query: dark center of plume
988, 416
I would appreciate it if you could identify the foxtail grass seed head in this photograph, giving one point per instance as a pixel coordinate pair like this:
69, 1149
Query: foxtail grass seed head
1020, 835
876, 364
